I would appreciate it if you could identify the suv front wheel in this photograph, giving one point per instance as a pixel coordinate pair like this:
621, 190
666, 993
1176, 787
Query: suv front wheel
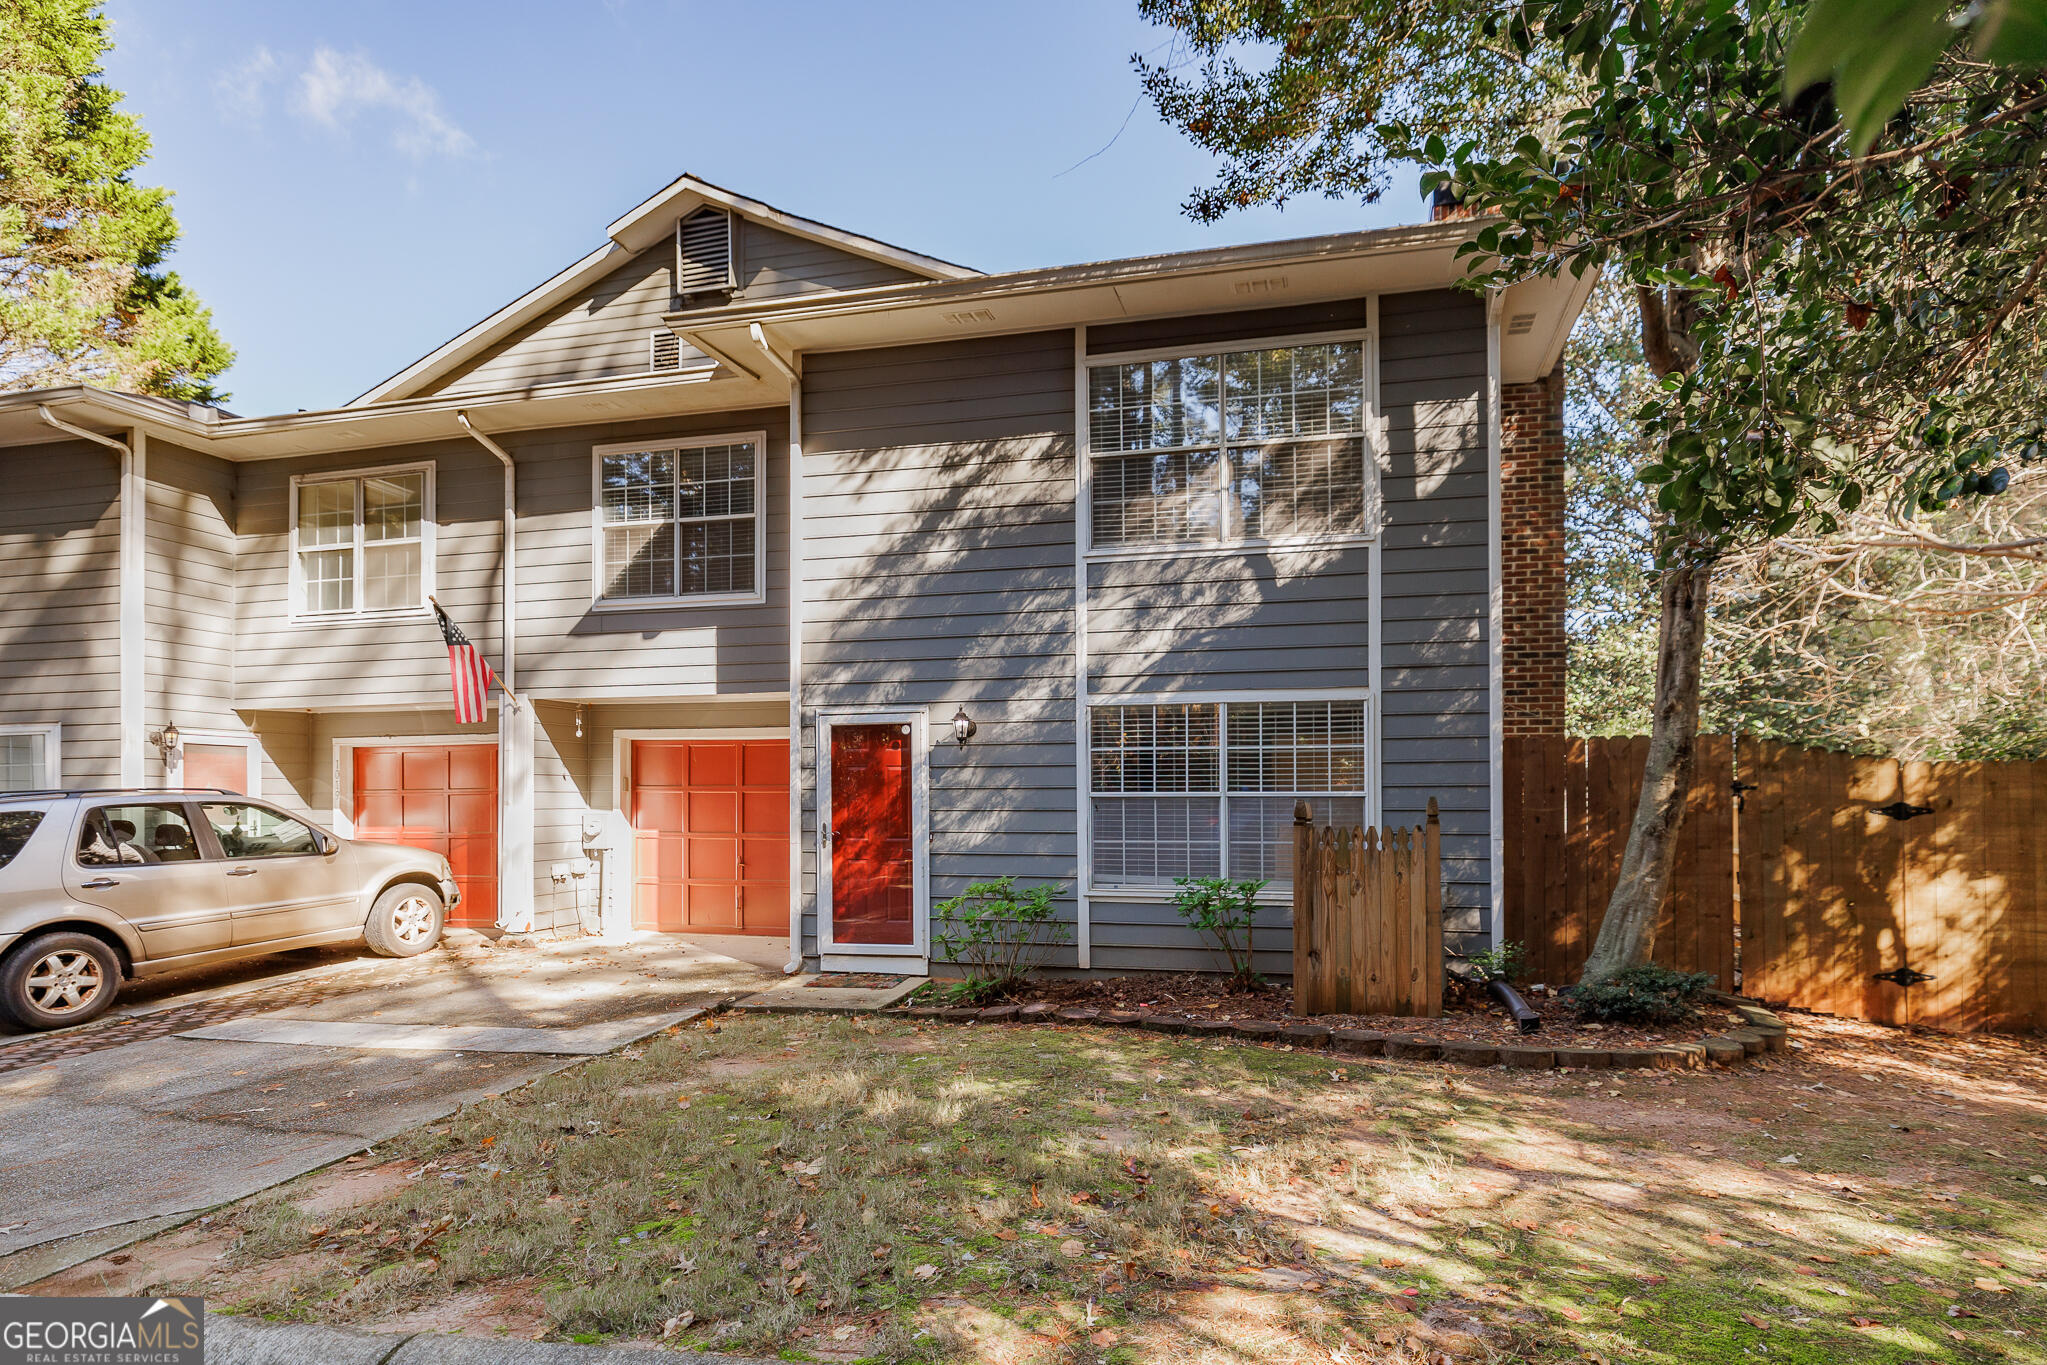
406, 920
59, 979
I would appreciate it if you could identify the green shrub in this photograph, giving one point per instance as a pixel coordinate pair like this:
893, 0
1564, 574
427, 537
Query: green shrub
1223, 910
998, 934
1641, 995
1504, 963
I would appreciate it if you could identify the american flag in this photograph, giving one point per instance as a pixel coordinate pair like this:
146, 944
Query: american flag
468, 674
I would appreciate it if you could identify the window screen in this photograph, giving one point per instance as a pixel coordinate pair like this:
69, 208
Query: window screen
680, 521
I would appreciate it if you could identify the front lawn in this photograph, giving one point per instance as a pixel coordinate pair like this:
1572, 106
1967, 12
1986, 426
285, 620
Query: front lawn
848, 1189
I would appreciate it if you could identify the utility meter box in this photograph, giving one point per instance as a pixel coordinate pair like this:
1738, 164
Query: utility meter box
608, 843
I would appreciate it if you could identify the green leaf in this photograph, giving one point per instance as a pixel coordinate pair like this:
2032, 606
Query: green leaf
2013, 33
1876, 51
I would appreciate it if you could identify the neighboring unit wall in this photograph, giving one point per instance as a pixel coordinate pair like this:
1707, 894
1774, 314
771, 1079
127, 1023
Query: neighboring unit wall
938, 526
1532, 554
568, 649
1434, 714
60, 636
605, 331
188, 609
311, 664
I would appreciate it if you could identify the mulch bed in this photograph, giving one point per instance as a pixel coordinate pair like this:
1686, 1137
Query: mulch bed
1471, 1019
1472, 1031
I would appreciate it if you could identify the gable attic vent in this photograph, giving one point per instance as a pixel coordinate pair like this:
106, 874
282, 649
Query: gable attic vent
664, 350
703, 252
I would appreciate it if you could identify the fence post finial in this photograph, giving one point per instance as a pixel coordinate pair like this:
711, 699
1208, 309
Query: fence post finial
1302, 816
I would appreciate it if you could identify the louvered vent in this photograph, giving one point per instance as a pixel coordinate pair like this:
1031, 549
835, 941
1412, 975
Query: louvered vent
665, 351
703, 252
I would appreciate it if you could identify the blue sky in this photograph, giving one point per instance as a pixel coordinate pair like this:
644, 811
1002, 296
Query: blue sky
358, 182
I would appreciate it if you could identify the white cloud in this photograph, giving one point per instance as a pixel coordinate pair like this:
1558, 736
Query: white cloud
241, 93
337, 88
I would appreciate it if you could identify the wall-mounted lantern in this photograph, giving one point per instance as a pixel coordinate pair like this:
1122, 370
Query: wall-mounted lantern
963, 727
168, 743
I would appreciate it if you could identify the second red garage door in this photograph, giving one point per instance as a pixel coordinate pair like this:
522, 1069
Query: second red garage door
441, 797
711, 842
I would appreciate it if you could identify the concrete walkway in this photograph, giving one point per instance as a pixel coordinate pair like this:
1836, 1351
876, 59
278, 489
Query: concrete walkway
241, 1341
100, 1148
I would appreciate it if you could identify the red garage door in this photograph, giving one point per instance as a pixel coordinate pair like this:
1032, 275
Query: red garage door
442, 797
711, 848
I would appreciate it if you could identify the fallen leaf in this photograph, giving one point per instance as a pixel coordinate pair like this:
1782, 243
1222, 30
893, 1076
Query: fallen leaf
1823, 1260
1072, 1247
1103, 1338
1990, 1286
1761, 1324
925, 1271
1005, 1235
798, 1283
1036, 1202
315, 1234
488, 1142
676, 1324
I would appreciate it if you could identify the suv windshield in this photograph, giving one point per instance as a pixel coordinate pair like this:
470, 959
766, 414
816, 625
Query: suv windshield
15, 827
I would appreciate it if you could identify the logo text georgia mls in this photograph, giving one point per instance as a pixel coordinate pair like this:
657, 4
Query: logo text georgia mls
35, 1331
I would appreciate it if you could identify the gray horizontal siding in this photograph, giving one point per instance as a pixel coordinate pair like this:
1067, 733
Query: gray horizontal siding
1436, 708
938, 544
60, 653
604, 331
189, 592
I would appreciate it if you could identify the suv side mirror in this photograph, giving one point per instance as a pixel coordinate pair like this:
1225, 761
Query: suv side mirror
329, 845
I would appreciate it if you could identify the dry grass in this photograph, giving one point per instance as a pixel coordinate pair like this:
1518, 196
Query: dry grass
854, 1189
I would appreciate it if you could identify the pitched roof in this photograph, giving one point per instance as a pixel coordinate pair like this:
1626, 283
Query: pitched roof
642, 227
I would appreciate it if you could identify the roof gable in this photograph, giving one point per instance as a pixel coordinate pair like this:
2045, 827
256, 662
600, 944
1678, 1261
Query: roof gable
595, 318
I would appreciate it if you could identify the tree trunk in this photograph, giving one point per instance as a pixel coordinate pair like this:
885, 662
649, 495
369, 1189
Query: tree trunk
1627, 936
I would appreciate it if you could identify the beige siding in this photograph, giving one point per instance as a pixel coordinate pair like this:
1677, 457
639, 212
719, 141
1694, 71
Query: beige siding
189, 594
60, 652
604, 331
568, 649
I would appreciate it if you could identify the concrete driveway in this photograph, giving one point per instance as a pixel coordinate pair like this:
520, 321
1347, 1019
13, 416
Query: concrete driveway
106, 1145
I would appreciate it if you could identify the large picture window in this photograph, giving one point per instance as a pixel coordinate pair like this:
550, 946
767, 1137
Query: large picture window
680, 520
1207, 789
1230, 447
362, 542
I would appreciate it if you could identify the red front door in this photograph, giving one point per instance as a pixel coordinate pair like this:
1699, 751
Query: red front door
711, 836
873, 870
440, 797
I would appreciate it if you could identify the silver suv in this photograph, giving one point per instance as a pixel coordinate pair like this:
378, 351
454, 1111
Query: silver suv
97, 886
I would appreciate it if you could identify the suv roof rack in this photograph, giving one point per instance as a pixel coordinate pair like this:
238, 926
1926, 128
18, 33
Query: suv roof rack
140, 792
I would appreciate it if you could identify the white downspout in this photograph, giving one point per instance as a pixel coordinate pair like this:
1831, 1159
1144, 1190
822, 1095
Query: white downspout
131, 558
789, 372
511, 626
515, 727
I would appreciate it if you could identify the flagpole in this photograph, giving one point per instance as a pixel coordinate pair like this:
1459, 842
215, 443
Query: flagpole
510, 695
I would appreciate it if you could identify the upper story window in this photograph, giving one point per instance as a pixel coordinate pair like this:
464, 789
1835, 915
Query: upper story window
1229, 447
362, 542
679, 521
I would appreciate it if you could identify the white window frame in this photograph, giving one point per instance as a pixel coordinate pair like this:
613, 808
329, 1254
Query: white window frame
428, 538
1369, 432
1222, 701
53, 753
600, 602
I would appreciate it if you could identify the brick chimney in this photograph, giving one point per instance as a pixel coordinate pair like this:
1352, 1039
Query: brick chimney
1532, 553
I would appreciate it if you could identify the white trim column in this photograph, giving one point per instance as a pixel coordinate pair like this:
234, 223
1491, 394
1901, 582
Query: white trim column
133, 555
1496, 652
515, 817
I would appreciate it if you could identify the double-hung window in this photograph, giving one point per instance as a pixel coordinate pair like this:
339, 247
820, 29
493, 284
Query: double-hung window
1229, 447
1207, 789
28, 757
680, 520
362, 543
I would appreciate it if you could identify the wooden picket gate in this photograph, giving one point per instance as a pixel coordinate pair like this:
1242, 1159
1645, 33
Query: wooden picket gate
1909, 893
1368, 918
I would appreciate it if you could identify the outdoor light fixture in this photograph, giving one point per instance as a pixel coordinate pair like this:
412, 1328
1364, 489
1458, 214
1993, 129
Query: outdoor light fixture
579, 722
167, 741
963, 727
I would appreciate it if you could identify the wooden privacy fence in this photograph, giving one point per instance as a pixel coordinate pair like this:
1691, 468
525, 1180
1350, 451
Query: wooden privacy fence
1909, 893
1569, 804
1368, 918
